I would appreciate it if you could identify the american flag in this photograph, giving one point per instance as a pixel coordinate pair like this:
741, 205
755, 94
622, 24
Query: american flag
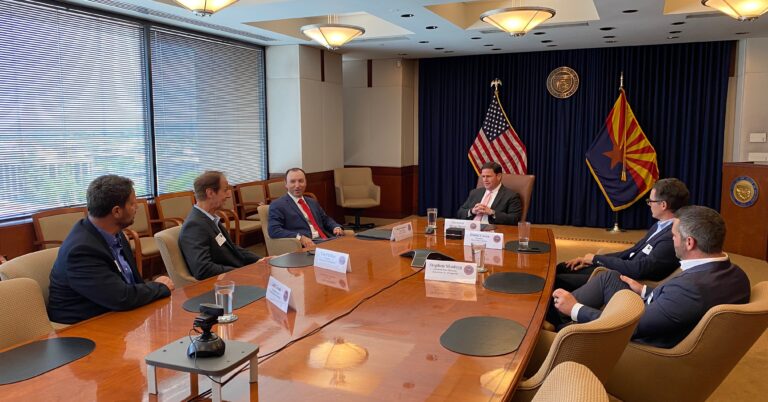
498, 142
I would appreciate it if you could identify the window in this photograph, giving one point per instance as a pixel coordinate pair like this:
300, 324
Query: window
72, 106
209, 109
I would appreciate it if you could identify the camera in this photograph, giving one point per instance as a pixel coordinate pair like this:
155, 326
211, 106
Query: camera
207, 344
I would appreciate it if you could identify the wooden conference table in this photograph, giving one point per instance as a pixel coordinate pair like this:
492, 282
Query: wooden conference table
386, 349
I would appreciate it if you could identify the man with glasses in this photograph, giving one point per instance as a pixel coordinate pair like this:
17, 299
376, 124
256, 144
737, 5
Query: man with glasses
203, 240
651, 258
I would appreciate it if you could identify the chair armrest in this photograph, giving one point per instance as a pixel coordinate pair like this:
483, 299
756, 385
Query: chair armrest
348, 232
375, 193
284, 245
132, 235
175, 221
44, 242
227, 215
597, 271
339, 195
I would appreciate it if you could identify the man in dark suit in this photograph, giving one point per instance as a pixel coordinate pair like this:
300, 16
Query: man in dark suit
95, 271
204, 242
674, 308
493, 203
651, 258
296, 216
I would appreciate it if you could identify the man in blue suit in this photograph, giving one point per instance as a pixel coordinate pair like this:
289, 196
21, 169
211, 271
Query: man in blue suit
95, 271
299, 217
652, 258
674, 308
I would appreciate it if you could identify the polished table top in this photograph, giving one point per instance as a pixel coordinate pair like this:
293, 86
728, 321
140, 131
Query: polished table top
387, 348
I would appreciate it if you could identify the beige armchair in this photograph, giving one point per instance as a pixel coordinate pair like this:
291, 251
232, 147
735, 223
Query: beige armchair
696, 366
141, 237
249, 196
355, 190
173, 208
596, 344
53, 226
168, 244
572, 382
275, 189
22, 312
36, 265
241, 226
521, 184
276, 246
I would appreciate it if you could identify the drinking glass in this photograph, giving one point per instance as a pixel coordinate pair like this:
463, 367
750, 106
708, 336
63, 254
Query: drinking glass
225, 292
432, 218
478, 256
523, 234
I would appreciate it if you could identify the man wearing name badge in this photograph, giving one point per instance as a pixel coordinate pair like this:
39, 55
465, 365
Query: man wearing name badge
296, 216
94, 270
651, 258
203, 240
674, 308
493, 203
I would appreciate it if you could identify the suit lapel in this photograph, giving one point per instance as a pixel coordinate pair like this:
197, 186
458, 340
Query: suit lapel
298, 210
499, 196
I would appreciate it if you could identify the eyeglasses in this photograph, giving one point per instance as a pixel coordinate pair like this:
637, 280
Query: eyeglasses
650, 201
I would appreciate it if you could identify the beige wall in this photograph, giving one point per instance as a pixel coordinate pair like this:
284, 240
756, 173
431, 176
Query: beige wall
748, 95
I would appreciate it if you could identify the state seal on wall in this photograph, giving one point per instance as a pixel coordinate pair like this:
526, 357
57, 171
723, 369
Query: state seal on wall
744, 191
562, 82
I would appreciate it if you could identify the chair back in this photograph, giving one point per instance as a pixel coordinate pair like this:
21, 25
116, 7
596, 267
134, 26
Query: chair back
174, 205
695, 367
36, 265
141, 224
571, 382
275, 246
168, 243
53, 226
521, 184
355, 186
276, 188
22, 312
249, 195
596, 344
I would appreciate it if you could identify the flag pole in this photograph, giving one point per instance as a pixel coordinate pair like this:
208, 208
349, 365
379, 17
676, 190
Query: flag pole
616, 228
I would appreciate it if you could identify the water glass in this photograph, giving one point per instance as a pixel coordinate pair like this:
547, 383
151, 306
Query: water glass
225, 293
432, 218
523, 234
478, 256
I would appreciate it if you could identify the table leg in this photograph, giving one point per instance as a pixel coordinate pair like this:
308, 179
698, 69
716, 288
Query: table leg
151, 379
193, 385
254, 371
216, 389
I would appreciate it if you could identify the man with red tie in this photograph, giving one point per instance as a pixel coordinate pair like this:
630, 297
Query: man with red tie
492, 203
294, 215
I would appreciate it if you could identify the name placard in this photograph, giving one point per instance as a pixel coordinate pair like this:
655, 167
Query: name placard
491, 239
333, 260
332, 278
278, 294
461, 223
401, 232
451, 271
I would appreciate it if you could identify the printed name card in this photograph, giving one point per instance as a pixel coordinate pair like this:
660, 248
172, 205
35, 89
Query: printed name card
461, 223
451, 271
491, 239
332, 260
400, 232
278, 294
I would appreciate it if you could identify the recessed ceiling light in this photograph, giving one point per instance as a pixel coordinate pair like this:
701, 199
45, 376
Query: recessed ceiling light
488, 45
551, 45
423, 41
675, 32
439, 48
539, 33
406, 15
678, 23
432, 27
629, 11
672, 37
496, 48
546, 41
611, 41
609, 36
607, 28
741, 33
475, 38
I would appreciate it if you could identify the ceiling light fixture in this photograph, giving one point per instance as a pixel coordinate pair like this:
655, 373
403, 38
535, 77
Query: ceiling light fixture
204, 8
517, 20
742, 10
332, 35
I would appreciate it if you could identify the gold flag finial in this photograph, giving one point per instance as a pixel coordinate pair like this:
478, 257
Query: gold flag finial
495, 84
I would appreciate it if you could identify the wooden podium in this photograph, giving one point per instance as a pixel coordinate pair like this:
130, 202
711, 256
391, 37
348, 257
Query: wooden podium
747, 232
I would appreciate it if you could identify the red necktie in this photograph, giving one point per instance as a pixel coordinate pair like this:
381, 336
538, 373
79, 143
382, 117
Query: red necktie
311, 217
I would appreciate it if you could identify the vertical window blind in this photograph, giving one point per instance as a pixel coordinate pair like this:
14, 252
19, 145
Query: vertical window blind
72, 106
209, 113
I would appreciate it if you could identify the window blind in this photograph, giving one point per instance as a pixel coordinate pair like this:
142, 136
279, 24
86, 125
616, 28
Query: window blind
209, 109
73, 106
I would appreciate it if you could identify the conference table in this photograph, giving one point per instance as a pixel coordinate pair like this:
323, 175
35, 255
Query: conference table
370, 334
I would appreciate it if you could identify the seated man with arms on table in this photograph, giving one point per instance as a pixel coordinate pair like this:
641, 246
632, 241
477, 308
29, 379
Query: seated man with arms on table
296, 216
203, 240
652, 258
95, 271
493, 203
674, 308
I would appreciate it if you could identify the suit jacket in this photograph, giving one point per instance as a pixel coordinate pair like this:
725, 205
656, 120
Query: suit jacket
204, 257
286, 219
659, 263
677, 305
507, 205
86, 282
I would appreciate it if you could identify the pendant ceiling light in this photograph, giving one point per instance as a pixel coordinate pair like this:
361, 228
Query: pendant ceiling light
517, 20
332, 35
742, 10
205, 7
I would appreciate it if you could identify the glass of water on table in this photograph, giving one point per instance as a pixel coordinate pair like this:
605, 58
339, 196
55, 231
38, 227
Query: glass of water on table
225, 293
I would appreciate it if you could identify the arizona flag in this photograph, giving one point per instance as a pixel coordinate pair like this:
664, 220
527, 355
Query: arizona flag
498, 142
621, 158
